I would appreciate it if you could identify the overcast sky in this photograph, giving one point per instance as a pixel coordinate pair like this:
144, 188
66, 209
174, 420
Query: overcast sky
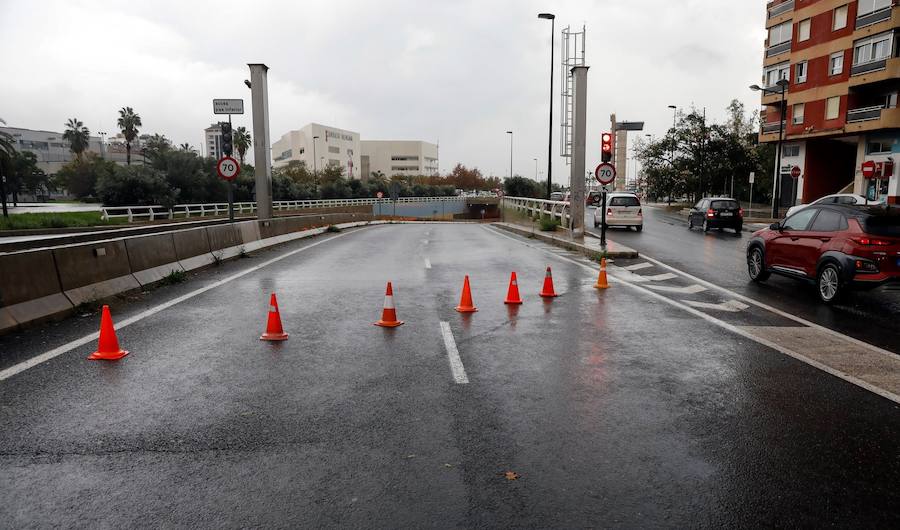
462, 72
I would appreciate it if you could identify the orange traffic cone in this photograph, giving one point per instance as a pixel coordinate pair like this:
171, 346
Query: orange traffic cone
108, 347
389, 314
465, 302
274, 331
512, 295
601, 279
547, 291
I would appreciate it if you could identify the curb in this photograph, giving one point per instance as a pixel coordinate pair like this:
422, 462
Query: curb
586, 250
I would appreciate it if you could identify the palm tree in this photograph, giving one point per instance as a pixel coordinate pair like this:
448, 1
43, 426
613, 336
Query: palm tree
186, 147
78, 136
156, 145
129, 122
242, 142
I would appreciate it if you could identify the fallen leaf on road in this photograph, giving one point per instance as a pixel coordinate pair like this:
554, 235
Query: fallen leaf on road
511, 475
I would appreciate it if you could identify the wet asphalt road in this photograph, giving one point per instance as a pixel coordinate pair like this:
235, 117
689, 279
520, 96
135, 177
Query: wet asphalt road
720, 257
614, 410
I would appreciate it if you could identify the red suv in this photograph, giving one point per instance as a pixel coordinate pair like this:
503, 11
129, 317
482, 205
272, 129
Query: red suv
837, 247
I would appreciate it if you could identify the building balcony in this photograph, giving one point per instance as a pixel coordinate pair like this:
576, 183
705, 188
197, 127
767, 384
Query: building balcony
872, 119
780, 9
778, 49
876, 72
769, 128
873, 18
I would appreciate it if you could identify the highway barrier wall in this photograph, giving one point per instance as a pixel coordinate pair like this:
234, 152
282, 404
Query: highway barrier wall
46, 284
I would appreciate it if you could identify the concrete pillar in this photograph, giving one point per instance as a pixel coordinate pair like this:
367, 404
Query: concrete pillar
579, 142
262, 155
621, 160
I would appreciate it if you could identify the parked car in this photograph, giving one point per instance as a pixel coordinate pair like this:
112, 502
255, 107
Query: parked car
593, 198
622, 209
717, 212
837, 247
847, 199
557, 196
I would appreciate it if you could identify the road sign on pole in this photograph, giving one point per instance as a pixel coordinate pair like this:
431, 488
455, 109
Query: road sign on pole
605, 173
868, 169
795, 172
752, 176
228, 106
228, 168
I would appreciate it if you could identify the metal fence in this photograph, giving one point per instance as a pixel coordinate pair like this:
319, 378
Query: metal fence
533, 207
221, 208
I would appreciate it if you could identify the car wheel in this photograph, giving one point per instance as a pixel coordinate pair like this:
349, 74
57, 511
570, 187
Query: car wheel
639, 227
690, 223
756, 265
705, 225
738, 229
828, 283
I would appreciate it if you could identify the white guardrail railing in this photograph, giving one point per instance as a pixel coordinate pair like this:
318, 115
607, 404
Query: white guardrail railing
221, 208
555, 209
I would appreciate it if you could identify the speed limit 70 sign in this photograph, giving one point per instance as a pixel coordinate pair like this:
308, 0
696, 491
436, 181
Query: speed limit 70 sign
228, 168
605, 173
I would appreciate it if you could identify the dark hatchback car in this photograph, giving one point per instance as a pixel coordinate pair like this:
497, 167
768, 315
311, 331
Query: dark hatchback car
837, 247
717, 212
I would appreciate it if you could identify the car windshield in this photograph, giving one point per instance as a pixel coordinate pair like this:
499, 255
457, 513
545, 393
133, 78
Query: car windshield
724, 205
886, 224
624, 201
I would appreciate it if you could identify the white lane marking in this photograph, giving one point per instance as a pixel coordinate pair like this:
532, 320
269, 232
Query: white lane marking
774, 310
55, 352
661, 277
456, 365
427, 263
638, 266
424, 241
731, 306
690, 289
742, 332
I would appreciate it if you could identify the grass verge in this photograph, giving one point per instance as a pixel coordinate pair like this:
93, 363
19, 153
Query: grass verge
25, 221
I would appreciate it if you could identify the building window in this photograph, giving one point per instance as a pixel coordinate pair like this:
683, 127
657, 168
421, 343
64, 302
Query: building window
836, 63
840, 18
878, 147
301, 151
800, 69
803, 30
832, 108
776, 72
798, 114
872, 49
791, 150
405, 158
870, 6
779, 34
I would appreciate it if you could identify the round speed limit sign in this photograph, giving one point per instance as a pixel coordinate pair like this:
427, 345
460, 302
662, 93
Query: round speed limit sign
605, 173
228, 168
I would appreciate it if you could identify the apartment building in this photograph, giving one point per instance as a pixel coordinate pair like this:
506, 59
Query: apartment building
52, 151
212, 141
399, 157
319, 146
842, 61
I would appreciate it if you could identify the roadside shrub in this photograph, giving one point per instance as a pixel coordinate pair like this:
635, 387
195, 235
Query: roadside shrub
135, 186
333, 228
549, 225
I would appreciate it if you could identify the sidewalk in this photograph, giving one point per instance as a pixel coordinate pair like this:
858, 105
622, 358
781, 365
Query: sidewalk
590, 246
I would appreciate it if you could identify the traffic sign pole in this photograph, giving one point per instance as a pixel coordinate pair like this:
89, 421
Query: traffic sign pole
231, 182
606, 175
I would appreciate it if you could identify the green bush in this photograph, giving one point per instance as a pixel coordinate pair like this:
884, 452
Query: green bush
549, 225
135, 186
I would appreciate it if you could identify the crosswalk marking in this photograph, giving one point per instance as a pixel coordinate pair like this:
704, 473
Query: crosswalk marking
731, 306
690, 289
661, 277
638, 266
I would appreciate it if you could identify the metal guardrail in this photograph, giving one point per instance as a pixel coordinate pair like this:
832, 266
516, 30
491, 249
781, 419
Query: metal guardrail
555, 209
152, 213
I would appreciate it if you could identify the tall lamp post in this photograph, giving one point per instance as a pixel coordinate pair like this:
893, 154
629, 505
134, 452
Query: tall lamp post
315, 168
672, 150
776, 180
535, 169
510, 133
552, 18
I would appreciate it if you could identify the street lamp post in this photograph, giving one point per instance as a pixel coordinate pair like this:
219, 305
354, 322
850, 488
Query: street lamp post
315, 168
552, 18
672, 150
776, 180
535, 169
510, 133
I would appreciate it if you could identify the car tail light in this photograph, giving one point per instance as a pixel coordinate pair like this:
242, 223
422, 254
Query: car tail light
864, 265
609, 212
868, 241
710, 213
741, 212
640, 212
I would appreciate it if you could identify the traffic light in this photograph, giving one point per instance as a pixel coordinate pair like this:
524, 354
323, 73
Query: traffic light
606, 147
227, 138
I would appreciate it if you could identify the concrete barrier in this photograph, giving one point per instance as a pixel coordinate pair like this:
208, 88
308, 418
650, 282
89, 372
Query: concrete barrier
192, 248
29, 289
224, 241
250, 234
93, 271
152, 258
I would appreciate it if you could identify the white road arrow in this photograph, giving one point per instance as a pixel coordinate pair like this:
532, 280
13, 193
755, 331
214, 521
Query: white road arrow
731, 306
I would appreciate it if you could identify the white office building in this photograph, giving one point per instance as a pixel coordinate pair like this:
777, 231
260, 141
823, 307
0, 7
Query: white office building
52, 151
399, 157
319, 146
212, 143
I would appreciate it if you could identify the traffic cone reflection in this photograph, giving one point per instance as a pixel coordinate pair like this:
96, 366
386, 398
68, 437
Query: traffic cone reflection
601, 279
274, 331
108, 346
512, 295
547, 291
465, 301
389, 313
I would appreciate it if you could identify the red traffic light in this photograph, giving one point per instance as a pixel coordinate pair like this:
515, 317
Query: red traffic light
606, 147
